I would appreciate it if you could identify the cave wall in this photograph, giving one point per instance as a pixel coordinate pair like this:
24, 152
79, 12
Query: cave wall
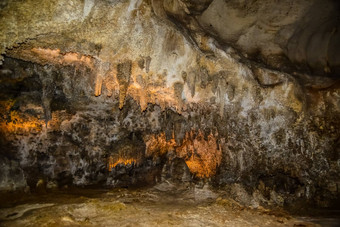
107, 92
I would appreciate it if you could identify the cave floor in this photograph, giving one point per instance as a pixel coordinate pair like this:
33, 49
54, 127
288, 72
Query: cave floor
157, 206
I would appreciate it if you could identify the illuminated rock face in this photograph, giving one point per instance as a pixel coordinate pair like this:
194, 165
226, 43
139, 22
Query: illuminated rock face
112, 92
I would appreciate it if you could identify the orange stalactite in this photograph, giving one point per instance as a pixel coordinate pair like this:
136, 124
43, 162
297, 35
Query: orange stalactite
113, 163
202, 156
149, 90
18, 123
46, 52
55, 55
158, 145
98, 86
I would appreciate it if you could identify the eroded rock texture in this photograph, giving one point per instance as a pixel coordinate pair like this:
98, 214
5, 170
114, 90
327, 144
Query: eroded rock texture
120, 93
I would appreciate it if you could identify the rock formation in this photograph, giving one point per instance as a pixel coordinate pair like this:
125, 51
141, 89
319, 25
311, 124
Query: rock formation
110, 92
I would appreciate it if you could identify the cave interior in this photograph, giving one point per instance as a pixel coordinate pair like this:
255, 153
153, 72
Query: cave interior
174, 112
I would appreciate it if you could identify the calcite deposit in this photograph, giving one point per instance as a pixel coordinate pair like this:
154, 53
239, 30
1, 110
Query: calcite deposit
119, 93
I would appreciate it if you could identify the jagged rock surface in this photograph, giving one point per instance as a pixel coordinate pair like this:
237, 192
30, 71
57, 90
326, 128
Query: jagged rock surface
103, 92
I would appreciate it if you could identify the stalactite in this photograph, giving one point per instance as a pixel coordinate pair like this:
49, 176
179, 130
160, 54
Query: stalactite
178, 90
123, 77
191, 80
98, 88
147, 64
102, 70
48, 89
202, 155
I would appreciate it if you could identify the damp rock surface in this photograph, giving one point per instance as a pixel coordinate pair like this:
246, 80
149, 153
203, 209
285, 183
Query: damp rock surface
144, 207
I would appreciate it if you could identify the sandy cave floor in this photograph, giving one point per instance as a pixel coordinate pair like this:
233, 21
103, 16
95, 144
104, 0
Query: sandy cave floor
157, 206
